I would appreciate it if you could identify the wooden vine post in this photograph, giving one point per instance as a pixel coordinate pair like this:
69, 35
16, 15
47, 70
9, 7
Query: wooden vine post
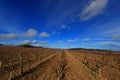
10, 76
0, 64
100, 72
28, 64
21, 62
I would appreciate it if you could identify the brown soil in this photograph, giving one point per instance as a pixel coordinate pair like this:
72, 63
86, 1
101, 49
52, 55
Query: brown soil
62, 65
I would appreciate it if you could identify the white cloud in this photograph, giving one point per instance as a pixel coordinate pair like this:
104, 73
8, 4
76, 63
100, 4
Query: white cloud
94, 8
8, 36
44, 34
26, 42
29, 42
86, 39
70, 41
30, 33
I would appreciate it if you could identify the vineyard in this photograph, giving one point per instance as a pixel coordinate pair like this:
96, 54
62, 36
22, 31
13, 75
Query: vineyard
101, 63
20, 63
16, 61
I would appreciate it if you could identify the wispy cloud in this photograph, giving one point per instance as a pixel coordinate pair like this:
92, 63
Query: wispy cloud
70, 41
89, 44
43, 42
114, 31
117, 37
98, 39
53, 32
109, 43
63, 26
94, 8
104, 30
56, 32
110, 29
60, 41
44, 34
86, 39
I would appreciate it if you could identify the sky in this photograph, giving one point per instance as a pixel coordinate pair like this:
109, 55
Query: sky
93, 24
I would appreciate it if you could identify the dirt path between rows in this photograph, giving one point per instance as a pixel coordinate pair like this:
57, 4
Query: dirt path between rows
76, 70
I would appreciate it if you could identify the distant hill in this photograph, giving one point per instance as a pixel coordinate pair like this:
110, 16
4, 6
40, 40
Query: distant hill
26, 45
29, 46
75, 48
89, 49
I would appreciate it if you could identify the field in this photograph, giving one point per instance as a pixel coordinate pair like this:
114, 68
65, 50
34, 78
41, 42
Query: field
22, 63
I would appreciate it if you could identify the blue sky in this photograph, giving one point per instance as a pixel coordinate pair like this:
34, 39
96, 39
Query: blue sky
61, 23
